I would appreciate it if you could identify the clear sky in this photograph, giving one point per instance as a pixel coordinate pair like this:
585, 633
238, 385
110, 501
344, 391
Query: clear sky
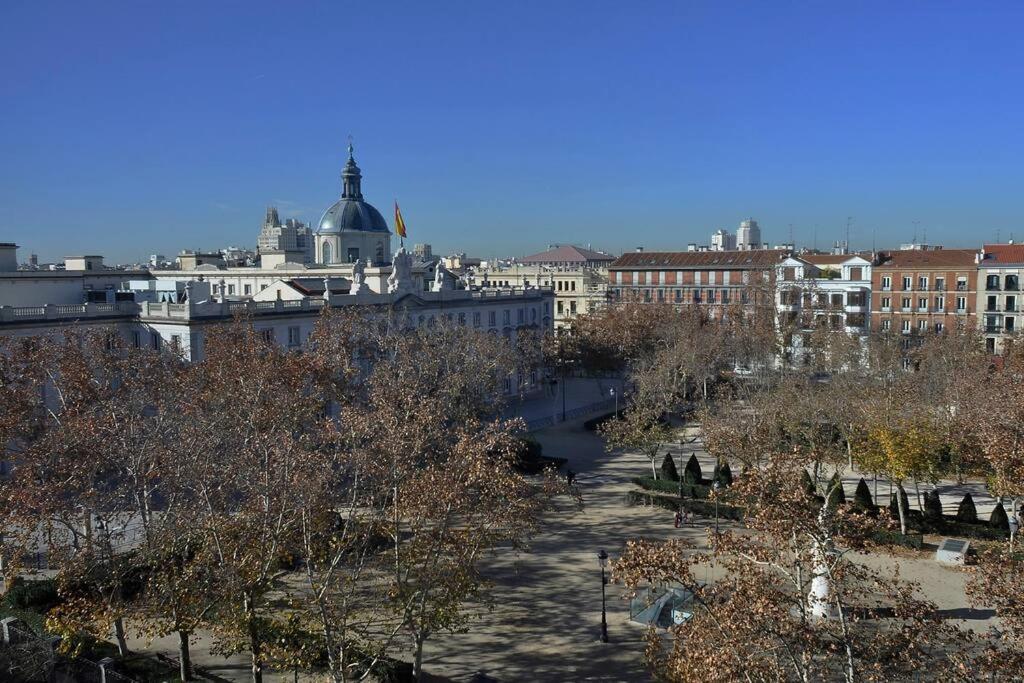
128, 128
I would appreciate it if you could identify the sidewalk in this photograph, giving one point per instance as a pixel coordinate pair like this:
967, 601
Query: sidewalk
545, 408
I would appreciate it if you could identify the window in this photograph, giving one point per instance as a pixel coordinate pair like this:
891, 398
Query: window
572, 308
573, 285
836, 299
886, 283
507, 317
294, 336
136, 340
1012, 283
262, 287
990, 304
661, 295
710, 296
961, 304
906, 283
679, 295
1009, 323
353, 254
922, 325
922, 304
711, 277
961, 284
725, 296
886, 303
992, 282
938, 326
922, 283
267, 335
940, 303
462, 318
231, 289
215, 289
906, 326
248, 290
176, 342
886, 325
1011, 303
154, 340
492, 318
856, 273
940, 284
696, 277
905, 303
476, 319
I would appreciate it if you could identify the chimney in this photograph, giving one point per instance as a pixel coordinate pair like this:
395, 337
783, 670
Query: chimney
639, 250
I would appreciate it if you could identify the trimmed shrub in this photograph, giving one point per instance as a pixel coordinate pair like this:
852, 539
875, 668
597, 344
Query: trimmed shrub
894, 510
723, 475
836, 495
862, 499
698, 507
967, 512
673, 487
933, 508
37, 596
808, 484
692, 473
668, 468
886, 537
999, 520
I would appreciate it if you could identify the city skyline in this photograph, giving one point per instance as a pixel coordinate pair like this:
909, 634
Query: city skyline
155, 129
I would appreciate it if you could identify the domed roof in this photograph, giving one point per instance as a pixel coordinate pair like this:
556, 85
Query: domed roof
351, 213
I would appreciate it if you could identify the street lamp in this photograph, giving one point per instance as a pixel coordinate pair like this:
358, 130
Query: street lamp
602, 558
616, 397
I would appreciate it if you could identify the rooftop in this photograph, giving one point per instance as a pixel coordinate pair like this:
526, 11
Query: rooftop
567, 253
928, 259
1003, 253
760, 258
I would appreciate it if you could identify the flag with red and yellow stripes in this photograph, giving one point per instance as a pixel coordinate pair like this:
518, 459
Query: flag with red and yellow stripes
399, 223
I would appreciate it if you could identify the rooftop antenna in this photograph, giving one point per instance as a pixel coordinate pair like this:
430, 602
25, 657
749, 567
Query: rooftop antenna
815, 237
997, 235
849, 221
791, 242
916, 223
872, 240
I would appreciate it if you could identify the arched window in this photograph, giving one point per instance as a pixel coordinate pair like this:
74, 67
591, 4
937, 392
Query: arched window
326, 256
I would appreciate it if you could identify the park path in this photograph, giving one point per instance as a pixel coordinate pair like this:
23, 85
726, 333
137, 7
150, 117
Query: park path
546, 620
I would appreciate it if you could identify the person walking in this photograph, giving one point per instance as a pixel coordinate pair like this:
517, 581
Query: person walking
1015, 520
678, 518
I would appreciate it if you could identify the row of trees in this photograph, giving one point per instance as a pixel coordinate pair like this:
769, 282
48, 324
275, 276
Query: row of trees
321, 509
797, 601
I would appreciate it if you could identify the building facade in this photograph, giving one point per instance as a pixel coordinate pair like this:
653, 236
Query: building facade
291, 241
1000, 268
577, 290
712, 278
917, 292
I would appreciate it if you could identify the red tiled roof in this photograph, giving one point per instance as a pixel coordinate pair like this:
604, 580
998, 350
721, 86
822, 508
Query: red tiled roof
1004, 253
759, 258
566, 254
932, 258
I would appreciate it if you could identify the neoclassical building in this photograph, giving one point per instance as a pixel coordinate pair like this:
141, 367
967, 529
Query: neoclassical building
351, 229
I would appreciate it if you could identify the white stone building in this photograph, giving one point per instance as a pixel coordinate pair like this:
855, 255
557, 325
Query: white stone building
813, 290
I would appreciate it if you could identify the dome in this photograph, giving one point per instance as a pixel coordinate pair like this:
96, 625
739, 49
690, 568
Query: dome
351, 214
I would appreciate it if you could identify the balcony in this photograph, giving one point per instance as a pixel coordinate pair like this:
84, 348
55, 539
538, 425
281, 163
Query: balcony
961, 286
886, 309
993, 329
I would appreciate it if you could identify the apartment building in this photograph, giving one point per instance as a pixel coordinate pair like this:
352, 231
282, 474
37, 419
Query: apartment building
821, 290
916, 292
1000, 268
712, 278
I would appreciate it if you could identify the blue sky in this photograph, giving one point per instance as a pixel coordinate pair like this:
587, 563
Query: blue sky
137, 127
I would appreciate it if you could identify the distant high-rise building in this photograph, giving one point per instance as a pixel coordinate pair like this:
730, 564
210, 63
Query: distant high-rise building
723, 240
33, 260
424, 252
293, 237
748, 237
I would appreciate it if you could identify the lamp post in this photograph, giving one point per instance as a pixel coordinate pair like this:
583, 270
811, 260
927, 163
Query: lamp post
602, 558
616, 397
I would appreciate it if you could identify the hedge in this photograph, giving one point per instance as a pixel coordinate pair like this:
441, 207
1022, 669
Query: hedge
673, 487
699, 507
886, 537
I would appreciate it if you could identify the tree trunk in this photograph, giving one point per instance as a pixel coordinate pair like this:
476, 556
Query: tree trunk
654, 467
255, 646
417, 666
122, 644
184, 656
901, 506
820, 595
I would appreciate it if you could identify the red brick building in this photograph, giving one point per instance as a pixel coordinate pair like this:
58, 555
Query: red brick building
924, 291
692, 277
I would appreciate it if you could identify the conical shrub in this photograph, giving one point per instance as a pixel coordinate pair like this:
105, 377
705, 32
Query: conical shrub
999, 520
894, 510
692, 473
723, 475
862, 499
968, 512
933, 508
668, 468
836, 495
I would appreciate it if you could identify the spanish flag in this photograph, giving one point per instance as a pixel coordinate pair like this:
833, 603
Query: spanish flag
399, 223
